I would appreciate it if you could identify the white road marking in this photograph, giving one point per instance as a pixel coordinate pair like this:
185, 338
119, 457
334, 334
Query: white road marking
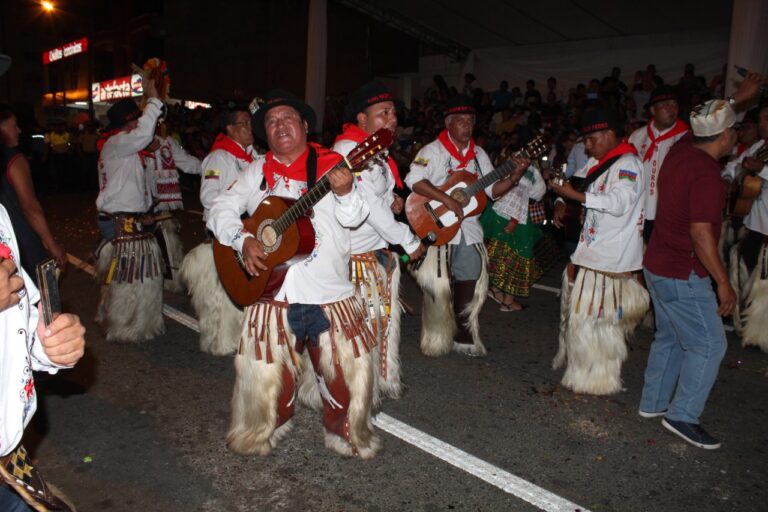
507, 482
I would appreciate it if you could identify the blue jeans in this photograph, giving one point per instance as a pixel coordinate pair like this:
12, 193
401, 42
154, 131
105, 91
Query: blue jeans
308, 322
687, 348
12, 502
466, 262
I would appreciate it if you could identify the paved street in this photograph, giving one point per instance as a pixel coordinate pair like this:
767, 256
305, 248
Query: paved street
152, 419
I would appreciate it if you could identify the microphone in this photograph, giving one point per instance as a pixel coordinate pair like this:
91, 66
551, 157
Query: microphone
428, 240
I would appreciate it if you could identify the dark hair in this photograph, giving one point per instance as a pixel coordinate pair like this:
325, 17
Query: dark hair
229, 112
5, 112
706, 140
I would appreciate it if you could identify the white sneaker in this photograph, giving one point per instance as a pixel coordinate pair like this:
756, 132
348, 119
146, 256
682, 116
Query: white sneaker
650, 414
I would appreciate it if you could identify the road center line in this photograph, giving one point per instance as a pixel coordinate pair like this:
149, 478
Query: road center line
507, 482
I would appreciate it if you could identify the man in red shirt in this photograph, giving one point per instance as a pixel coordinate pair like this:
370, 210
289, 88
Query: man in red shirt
682, 255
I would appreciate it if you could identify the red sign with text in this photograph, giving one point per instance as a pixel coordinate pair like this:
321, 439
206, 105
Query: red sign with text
67, 50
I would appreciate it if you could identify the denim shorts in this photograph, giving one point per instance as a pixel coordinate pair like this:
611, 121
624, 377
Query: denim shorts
308, 322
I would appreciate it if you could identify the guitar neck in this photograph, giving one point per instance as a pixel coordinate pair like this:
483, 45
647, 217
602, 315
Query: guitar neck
305, 202
496, 174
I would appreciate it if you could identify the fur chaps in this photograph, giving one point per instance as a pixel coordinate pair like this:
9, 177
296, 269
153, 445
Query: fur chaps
750, 318
267, 367
171, 229
378, 290
220, 319
438, 326
130, 311
598, 312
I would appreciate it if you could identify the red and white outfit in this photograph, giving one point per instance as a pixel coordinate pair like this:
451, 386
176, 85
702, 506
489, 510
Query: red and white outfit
751, 285
652, 147
219, 318
129, 266
376, 284
21, 351
161, 168
603, 301
436, 162
267, 362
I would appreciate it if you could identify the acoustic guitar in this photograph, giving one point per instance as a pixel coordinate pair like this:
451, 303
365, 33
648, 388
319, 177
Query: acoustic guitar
573, 217
749, 188
429, 217
284, 230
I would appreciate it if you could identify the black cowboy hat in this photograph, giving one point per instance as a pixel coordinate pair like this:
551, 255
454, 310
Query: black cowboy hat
277, 98
122, 112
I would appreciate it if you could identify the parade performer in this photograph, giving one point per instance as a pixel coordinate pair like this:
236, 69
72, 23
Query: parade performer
749, 258
129, 263
162, 159
454, 277
653, 141
601, 298
315, 308
232, 151
375, 271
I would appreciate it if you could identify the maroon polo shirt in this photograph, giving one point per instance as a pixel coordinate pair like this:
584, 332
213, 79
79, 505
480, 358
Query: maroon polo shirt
690, 190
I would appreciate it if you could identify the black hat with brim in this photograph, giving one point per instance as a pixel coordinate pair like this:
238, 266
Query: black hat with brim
459, 104
278, 98
368, 95
122, 112
597, 118
662, 93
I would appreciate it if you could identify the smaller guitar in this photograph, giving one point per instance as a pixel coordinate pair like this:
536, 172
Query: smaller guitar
429, 216
284, 230
749, 189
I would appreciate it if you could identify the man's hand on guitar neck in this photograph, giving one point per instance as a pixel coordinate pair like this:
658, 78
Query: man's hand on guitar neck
559, 214
341, 181
253, 256
567, 191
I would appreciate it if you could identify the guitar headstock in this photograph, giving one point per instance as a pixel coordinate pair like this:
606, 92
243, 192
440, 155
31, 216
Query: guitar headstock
370, 149
535, 148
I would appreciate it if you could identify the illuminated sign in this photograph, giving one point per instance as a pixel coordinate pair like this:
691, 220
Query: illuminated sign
67, 50
117, 88
195, 104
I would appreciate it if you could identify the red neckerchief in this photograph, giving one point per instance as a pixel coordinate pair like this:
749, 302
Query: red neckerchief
454, 151
679, 127
622, 149
230, 146
105, 136
351, 131
297, 170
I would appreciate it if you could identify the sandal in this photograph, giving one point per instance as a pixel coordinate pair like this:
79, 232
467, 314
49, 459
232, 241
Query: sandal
494, 293
510, 308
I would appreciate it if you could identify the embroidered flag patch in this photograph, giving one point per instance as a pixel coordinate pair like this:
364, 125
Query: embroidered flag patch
625, 174
212, 174
421, 161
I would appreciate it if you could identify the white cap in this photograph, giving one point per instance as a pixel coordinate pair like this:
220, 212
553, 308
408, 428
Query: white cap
712, 118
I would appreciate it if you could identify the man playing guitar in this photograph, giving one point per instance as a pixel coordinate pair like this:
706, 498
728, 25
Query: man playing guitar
374, 269
464, 257
315, 306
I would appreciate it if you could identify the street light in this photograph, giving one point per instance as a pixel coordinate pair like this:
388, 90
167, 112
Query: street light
47, 6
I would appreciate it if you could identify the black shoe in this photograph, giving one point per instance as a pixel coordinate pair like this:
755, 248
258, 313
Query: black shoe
692, 433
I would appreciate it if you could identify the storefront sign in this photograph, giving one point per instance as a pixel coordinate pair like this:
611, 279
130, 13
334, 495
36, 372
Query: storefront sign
67, 50
117, 88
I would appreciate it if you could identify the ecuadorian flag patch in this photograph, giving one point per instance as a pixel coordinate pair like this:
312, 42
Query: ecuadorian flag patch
625, 174
421, 161
212, 174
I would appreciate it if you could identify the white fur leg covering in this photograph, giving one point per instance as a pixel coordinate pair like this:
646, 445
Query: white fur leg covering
473, 309
132, 312
171, 229
220, 320
309, 391
566, 288
603, 311
258, 386
739, 277
438, 325
392, 385
358, 376
755, 315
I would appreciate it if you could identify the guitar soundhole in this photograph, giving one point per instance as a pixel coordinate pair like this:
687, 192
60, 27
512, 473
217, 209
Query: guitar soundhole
270, 240
459, 195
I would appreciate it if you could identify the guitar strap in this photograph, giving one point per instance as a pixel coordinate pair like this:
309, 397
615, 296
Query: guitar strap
311, 167
597, 173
